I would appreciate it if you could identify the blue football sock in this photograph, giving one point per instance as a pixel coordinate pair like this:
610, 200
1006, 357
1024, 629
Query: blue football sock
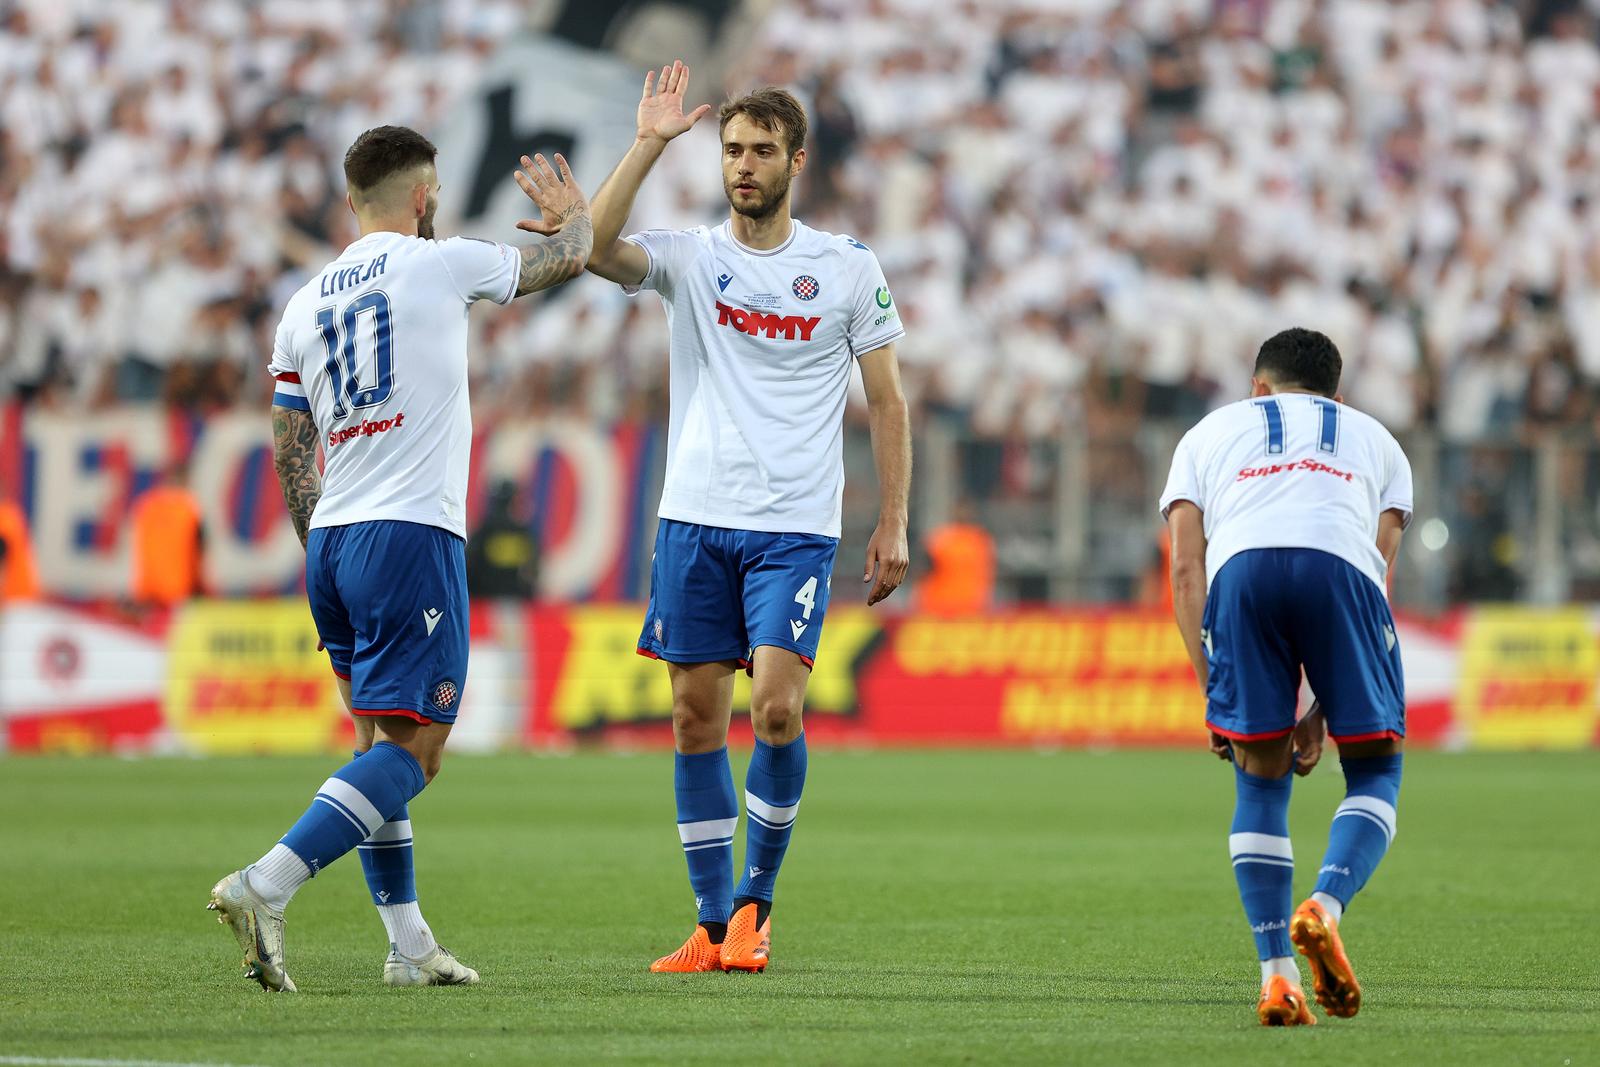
353, 804
386, 860
1363, 827
708, 812
771, 799
1263, 859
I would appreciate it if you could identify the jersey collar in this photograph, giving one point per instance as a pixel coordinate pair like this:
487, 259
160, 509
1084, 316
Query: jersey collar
727, 231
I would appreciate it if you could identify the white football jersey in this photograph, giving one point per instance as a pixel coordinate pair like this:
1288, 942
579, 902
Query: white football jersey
1291, 471
762, 345
375, 347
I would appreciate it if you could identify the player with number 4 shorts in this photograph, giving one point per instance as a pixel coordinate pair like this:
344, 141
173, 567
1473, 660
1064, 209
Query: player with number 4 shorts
370, 362
768, 319
1286, 511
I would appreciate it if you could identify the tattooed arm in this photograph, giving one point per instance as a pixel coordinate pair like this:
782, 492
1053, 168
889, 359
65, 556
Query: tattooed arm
563, 219
294, 454
560, 258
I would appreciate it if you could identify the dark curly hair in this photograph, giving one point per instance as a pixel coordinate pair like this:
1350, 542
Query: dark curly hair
1302, 358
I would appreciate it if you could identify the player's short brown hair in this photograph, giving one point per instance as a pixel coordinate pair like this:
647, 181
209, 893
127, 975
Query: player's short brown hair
772, 109
384, 151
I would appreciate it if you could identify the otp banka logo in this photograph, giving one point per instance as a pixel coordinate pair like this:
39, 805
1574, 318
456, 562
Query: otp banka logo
759, 322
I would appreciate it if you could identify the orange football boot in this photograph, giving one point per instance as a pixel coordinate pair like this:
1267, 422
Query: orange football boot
1283, 1003
745, 948
1316, 934
697, 954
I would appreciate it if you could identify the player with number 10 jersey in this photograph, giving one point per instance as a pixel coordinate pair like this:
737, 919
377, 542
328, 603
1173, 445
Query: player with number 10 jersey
370, 369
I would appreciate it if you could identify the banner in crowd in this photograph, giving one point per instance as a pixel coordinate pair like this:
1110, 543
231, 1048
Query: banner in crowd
233, 676
585, 489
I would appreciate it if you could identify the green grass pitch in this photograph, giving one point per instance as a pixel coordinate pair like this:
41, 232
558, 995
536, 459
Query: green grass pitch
936, 907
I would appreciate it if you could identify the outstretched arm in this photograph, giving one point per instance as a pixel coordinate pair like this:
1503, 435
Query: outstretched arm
888, 555
564, 219
294, 455
660, 118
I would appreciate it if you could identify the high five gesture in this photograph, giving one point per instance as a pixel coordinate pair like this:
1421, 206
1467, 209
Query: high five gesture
661, 107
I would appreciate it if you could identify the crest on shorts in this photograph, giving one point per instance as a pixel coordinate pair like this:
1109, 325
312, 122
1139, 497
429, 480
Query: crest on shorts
444, 695
806, 287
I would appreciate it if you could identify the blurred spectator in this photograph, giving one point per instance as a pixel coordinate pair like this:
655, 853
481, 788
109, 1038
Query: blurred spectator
961, 567
19, 580
168, 542
502, 553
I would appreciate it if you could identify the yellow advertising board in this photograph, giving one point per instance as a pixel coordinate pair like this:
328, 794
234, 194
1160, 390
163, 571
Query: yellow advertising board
1528, 678
245, 676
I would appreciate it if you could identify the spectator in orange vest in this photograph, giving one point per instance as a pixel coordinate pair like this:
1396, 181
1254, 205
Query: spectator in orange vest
18, 578
1155, 585
961, 567
167, 542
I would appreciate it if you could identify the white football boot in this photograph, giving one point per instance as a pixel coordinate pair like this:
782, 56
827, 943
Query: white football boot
439, 968
258, 928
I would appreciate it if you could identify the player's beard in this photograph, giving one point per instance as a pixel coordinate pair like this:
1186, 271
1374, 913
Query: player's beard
767, 201
425, 223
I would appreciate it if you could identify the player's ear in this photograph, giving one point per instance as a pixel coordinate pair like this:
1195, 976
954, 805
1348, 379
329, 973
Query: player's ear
1260, 387
419, 199
797, 162
349, 202
1338, 398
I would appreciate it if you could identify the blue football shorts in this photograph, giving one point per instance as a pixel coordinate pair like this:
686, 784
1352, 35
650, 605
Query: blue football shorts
390, 602
718, 594
1272, 612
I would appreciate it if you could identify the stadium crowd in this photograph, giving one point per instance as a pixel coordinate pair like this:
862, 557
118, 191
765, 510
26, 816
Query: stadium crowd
1090, 212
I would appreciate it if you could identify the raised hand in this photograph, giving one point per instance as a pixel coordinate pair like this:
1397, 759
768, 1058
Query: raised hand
661, 114
556, 195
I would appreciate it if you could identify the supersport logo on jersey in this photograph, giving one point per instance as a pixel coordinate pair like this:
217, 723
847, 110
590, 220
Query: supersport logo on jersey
366, 429
754, 322
1302, 465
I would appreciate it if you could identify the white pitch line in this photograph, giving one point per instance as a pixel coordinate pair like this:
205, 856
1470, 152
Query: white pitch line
72, 1061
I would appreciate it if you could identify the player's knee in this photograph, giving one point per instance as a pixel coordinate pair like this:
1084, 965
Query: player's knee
776, 717
430, 763
693, 722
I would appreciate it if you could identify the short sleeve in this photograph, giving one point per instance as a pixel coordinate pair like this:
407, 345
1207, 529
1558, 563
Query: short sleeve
481, 270
287, 389
1183, 480
874, 319
1396, 494
671, 252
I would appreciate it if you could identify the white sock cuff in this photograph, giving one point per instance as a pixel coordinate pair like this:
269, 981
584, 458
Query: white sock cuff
407, 930
277, 875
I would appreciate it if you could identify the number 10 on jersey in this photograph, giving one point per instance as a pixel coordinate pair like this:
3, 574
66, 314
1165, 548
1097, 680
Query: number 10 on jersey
339, 338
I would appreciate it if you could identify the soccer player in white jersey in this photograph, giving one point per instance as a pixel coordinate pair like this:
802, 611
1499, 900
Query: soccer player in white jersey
371, 365
1286, 512
768, 320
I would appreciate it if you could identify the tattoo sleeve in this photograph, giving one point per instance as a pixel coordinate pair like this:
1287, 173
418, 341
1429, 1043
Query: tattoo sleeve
556, 259
294, 454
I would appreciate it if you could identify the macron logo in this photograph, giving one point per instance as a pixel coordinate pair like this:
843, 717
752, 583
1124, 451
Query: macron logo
797, 627
757, 872
430, 619
722, 282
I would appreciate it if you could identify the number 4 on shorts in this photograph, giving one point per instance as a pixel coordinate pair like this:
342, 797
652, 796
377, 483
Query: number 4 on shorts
807, 597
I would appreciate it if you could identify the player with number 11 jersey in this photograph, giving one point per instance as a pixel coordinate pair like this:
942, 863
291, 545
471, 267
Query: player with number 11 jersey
1286, 511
